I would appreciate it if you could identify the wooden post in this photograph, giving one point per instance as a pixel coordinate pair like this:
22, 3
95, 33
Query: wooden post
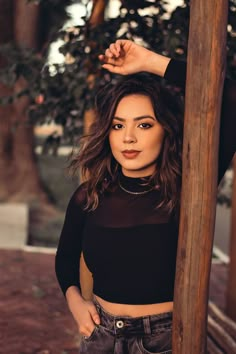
205, 77
231, 288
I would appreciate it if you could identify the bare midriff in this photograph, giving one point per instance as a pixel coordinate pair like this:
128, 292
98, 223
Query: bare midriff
134, 310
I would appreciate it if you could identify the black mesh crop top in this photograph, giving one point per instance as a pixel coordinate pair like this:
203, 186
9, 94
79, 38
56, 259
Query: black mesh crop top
128, 245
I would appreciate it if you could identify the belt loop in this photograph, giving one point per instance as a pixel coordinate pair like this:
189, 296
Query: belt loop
147, 326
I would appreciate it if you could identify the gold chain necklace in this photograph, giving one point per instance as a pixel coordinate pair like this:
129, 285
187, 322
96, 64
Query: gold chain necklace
134, 193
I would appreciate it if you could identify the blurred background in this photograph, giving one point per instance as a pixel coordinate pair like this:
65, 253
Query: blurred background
49, 73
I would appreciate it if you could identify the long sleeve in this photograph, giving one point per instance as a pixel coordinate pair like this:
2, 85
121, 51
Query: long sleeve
70, 243
176, 74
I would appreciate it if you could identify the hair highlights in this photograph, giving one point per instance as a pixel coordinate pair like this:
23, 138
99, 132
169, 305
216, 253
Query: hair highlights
97, 164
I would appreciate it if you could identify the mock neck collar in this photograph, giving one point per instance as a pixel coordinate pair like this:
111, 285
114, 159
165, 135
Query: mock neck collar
134, 184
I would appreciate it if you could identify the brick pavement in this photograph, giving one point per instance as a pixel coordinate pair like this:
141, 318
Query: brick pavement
34, 317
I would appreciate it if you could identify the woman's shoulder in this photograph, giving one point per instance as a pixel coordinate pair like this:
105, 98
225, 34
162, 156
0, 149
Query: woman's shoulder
79, 197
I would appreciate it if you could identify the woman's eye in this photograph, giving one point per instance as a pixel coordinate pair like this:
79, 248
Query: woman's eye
117, 126
145, 125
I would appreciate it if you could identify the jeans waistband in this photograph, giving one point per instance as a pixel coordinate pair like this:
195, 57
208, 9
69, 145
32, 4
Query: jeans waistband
134, 325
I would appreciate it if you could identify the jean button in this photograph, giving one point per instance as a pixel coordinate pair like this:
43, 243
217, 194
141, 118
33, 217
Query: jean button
119, 324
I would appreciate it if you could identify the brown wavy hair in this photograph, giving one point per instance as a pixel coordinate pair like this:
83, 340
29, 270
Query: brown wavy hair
95, 160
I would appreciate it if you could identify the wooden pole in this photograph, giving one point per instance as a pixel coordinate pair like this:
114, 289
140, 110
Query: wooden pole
231, 288
205, 77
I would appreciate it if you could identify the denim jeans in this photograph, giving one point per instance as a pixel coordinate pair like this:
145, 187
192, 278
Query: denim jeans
129, 335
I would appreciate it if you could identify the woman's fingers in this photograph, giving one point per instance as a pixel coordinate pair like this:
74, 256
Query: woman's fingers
123, 43
118, 45
87, 329
114, 49
92, 319
111, 64
112, 68
112, 54
119, 57
107, 60
95, 315
108, 53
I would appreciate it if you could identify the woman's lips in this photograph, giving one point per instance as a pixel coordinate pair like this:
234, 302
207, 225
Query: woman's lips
130, 154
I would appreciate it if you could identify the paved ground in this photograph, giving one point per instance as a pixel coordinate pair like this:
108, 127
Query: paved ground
34, 318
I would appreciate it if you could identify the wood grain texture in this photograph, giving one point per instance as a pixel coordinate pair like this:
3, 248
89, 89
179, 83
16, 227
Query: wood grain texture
205, 77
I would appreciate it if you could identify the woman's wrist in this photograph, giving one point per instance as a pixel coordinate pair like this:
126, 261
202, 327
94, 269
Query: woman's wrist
72, 293
156, 63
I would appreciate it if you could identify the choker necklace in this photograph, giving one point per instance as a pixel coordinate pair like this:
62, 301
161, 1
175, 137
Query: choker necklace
135, 193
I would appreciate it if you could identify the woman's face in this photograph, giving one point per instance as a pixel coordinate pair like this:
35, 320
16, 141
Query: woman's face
136, 136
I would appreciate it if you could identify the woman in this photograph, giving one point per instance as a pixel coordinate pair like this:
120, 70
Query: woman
124, 218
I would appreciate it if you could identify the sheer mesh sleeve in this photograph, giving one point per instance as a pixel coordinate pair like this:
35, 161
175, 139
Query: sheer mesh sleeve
70, 242
176, 74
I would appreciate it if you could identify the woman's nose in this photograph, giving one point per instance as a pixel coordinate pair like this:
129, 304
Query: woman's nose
129, 136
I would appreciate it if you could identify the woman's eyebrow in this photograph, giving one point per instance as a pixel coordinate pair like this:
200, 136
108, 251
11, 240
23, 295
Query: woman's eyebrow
135, 118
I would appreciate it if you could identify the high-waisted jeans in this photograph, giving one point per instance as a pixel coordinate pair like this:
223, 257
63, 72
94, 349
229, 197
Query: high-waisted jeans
129, 335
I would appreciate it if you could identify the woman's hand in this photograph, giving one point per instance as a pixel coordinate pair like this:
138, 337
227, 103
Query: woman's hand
125, 57
84, 312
